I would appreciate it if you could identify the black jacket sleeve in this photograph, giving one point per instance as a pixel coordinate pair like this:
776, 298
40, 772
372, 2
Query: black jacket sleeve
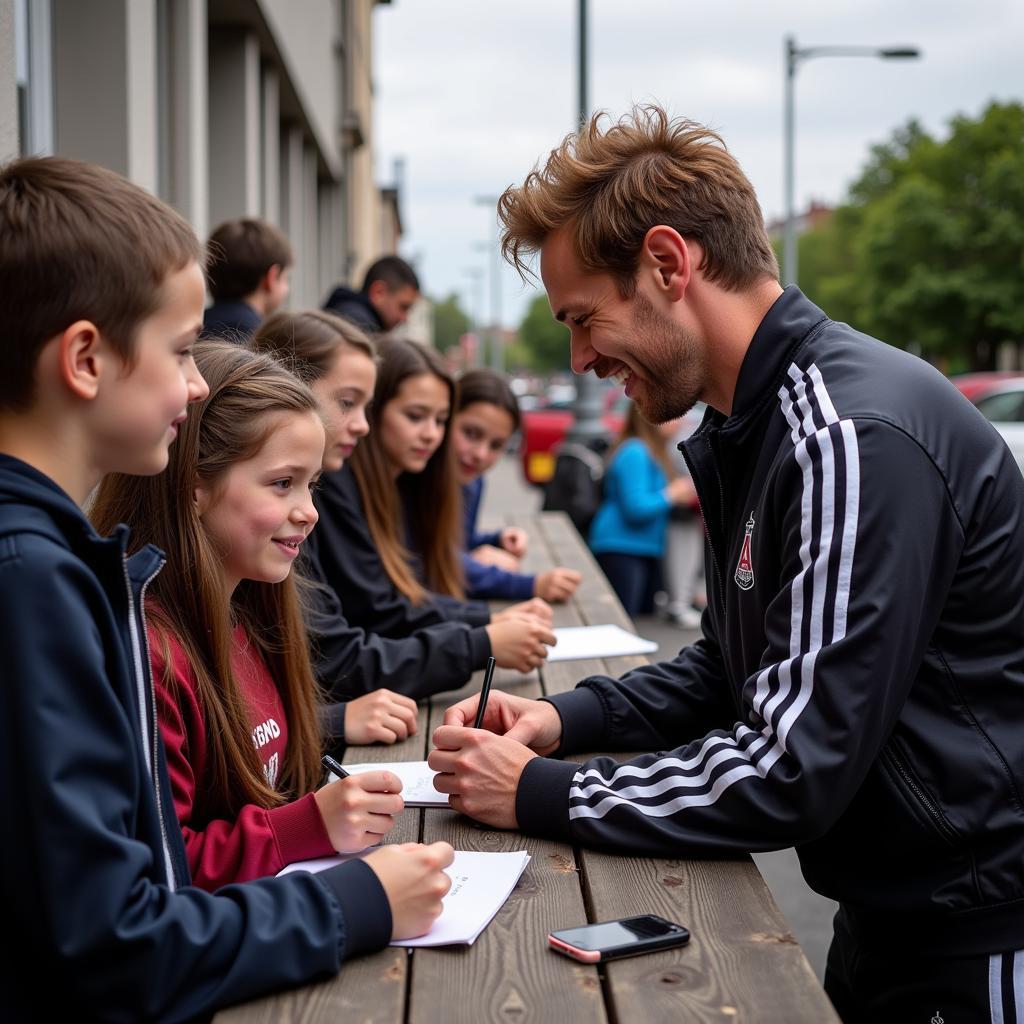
86, 897
348, 559
861, 587
350, 662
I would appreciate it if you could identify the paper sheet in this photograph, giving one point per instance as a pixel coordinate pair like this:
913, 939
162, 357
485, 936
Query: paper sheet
481, 882
417, 781
576, 642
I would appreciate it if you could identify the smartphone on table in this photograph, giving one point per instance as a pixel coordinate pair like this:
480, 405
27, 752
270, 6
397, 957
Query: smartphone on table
609, 940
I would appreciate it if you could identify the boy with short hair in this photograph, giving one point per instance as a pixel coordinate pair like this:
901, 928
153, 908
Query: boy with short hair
247, 264
101, 296
390, 290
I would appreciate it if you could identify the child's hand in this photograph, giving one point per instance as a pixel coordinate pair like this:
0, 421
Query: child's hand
412, 875
358, 810
380, 717
519, 642
514, 541
486, 554
535, 608
557, 584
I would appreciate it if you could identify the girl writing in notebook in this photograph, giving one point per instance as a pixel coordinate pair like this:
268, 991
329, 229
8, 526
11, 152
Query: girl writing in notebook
237, 701
486, 417
390, 535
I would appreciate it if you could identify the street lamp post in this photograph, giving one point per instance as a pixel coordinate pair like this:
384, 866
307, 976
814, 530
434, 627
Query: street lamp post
587, 425
497, 355
793, 56
476, 318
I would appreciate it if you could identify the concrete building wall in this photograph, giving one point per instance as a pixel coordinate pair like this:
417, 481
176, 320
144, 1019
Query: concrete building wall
9, 140
225, 108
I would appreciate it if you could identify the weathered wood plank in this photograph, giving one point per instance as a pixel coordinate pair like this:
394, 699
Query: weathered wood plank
742, 960
508, 974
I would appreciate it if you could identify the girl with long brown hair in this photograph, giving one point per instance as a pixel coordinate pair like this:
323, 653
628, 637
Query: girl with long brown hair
629, 529
237, 700
390, 536
338, 363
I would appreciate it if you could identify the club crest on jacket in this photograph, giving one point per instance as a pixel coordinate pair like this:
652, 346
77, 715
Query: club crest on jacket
744, 574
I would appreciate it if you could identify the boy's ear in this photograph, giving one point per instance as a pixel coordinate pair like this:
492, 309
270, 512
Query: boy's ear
269, 280
81, 358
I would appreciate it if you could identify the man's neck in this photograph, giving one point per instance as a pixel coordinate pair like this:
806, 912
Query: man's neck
729, 321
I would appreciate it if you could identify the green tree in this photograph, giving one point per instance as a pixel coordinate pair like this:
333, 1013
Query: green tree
929, 249
542, 340
450, 322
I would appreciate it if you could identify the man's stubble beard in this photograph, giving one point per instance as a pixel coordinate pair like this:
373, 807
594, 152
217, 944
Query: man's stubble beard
674, 364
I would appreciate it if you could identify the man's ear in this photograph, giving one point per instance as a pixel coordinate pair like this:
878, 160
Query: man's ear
378, 290
82, 358
666, 256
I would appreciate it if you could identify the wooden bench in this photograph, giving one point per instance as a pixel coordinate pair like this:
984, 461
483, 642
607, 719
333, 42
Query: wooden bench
742, 961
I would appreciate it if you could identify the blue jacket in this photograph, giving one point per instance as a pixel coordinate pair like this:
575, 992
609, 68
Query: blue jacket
634, 512
487, 581
231, 320
95, 882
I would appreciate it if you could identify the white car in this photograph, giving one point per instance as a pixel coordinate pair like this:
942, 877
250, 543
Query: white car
1003, 407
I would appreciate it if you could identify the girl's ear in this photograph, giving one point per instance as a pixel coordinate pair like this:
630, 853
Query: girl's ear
201, 499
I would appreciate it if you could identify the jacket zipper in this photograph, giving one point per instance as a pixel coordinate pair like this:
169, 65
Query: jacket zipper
152, 742
929, 805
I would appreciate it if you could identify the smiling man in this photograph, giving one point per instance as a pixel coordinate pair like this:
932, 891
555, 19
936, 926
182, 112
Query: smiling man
858, 690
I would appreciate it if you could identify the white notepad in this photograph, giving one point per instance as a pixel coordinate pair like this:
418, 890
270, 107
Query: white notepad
576, 642
481, 882
417, 781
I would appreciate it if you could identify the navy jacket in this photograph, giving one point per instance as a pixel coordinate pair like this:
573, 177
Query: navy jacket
350, 661
355, 307
858, 691
230, 320
96, 888
343, 546
487, 581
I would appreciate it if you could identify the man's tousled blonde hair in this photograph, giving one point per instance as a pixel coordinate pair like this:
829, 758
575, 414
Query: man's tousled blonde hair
613, 182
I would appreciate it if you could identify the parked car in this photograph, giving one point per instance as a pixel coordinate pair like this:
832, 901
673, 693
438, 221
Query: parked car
973, 385
1002, 405
543, 431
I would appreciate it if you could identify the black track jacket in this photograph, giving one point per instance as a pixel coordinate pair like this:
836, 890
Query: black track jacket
858, 691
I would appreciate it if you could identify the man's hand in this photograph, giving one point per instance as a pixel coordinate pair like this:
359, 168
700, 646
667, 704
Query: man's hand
480, 772
534, 723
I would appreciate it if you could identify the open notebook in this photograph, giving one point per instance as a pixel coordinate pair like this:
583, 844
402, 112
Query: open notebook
417, 781
576, 642
481, 882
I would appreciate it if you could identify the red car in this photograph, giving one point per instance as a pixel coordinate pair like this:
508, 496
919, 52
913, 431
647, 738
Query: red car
544, 429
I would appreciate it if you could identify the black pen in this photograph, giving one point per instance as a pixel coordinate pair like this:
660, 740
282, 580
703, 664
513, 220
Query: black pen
484, 691
333, 766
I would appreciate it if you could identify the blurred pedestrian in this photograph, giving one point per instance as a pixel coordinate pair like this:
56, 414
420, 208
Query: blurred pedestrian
390, 290
247, 264
628, 533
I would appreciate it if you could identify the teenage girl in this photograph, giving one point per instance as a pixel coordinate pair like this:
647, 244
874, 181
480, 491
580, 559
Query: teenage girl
390, 530
486, 417
628, 531
338, 362
237, 701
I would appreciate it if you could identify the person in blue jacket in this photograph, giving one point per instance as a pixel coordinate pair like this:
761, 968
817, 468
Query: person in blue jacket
640, 488
101, 301
486, 417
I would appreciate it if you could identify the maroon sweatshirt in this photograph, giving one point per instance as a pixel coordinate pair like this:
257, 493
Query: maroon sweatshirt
228, 844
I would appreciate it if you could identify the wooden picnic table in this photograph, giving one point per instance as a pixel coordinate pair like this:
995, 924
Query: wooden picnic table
742, 962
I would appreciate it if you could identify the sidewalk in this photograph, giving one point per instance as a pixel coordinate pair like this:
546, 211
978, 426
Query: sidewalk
809, 915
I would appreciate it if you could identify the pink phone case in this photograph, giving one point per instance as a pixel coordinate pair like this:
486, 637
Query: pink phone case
588, 956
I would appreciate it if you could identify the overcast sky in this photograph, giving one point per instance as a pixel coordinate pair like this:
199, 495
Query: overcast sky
471, 93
